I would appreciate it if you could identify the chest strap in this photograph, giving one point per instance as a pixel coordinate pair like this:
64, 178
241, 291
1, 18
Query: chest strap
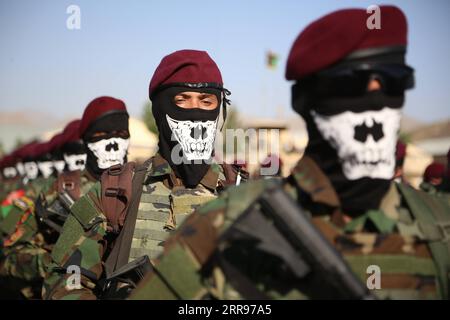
122, 246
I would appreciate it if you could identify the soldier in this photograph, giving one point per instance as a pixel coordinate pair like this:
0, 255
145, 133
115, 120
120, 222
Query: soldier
107, 119
350, 84
133, 210
444, 187
400, 155
18, 224
432, 177
10, 177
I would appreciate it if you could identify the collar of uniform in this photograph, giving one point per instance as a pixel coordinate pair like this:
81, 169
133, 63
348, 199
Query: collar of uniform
311, 180
377, 219
160, 167
383, 219
391, 202
88, 176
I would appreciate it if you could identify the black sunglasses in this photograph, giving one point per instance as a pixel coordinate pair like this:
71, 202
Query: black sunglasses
352, 81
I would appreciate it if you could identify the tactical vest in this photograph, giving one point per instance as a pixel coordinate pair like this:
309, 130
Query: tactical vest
160, 208
160, 211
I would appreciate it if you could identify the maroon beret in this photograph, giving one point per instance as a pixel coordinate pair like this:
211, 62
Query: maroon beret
29, 150
400, 151
70, 133
97, 108
189, 66
7, 161
340, 33
434, 170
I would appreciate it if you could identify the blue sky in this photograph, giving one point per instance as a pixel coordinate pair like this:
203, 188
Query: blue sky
44, 66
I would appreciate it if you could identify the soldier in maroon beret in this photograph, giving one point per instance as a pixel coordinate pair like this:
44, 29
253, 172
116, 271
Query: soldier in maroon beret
104, 130
133, 218
400, 155
433, 178
350, 83
69, 163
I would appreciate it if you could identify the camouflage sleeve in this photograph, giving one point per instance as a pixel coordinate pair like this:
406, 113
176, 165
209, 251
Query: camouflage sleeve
76, 263
179, 271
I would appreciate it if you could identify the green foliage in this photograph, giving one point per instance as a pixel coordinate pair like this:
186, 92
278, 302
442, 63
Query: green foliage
404, 137
18, 143
232, 121
149, 119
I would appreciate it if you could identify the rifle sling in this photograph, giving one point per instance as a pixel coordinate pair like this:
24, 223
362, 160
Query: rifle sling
121, 251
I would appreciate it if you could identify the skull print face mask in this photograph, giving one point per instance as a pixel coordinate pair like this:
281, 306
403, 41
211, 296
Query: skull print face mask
106, 143
75, 162
365, 142
352, 140
109, 152
31, 170
45, 168
195, 137
186, 136
9, 172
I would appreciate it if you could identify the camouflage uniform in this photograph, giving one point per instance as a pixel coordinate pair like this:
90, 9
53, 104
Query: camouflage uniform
85, 241
28, 242
390, 237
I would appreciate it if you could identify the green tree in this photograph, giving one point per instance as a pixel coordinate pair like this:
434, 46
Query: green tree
404, 137
232, 121
18, 143
149, 119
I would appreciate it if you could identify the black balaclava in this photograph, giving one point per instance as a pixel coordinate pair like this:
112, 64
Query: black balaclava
74, 155
9, 172
58, 161
31, 169
186, 136
45, 163
110, 149
353, 140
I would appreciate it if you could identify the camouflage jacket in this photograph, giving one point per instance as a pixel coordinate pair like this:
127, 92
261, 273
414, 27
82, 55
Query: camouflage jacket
412, 256
9, 185
27, 241
17, 210
86, 242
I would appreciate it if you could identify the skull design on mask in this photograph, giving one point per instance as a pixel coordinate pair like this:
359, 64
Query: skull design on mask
20, 169
31, 170
195, 137
46, 168
59, 165
365, 142
75, 161
9, 172
109, 152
